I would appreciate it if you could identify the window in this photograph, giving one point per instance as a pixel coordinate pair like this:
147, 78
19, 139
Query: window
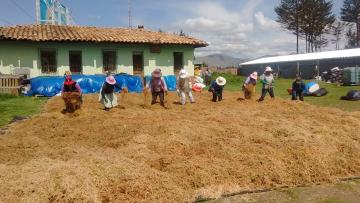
75, 61
138, 62
109, 61
48, 61
178, 61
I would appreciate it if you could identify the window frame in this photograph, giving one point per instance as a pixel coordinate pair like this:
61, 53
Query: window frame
41, 50
103, 62
182, 60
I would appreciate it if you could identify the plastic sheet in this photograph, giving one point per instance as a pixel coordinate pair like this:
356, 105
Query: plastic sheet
312, 87
170, 81
51, 85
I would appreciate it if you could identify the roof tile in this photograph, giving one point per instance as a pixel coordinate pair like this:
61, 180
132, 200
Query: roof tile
93, 34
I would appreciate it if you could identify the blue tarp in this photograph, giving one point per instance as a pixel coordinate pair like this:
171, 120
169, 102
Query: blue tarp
170, 81
51, 85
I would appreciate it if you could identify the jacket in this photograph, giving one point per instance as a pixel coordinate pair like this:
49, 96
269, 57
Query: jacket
298, 87
157, 85
71, 87
184, 84
267, 81
215, 88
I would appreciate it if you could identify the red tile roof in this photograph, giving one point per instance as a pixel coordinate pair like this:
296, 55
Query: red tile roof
61, 33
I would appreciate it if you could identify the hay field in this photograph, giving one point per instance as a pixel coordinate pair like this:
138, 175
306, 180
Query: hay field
143, 153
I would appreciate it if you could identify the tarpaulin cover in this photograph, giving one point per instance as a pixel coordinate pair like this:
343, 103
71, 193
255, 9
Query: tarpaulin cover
352, 95
311, 87
170, 81
51, 85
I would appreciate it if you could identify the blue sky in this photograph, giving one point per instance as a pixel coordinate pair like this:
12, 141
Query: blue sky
241, 28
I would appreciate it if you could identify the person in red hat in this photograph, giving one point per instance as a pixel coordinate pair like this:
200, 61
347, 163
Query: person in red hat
70, 86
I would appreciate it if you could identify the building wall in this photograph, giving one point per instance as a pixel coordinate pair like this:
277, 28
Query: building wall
15, 54
307, 69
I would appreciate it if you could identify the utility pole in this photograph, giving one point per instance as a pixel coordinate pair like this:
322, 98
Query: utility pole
37, 4
129, 12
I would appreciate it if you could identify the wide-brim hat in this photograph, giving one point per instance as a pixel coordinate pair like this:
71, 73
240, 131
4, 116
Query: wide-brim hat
268, 69
110, 80
220, 81
183, 74
254, 75
156, 73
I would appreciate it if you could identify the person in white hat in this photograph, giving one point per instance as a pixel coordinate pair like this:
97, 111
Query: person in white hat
267, 79
249, 85
107, 93
184, 87
216, 88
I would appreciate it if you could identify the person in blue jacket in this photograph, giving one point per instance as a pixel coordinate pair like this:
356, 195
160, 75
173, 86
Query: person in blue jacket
216, 88
298, 88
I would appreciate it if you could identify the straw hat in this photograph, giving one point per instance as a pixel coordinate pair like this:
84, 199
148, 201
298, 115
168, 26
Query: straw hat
254, 75
156, 73
110, 80
268, 69
220, 81
183, 73
67, 73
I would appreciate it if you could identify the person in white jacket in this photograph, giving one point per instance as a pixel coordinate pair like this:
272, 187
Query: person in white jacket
184, 87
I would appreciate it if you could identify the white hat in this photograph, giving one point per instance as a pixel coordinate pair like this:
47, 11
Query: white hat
183, 73
220, 81
268, 69
254, 75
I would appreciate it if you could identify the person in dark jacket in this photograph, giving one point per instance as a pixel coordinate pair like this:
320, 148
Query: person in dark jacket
71, 86
298, 88
157, 87
107, 93
216, 88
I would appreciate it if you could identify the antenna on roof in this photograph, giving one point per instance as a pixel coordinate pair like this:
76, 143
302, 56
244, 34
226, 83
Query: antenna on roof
129, 12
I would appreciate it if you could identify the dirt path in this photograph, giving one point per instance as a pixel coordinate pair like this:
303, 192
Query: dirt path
344, 192
150, 154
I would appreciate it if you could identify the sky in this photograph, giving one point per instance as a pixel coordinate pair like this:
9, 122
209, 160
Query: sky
239, 28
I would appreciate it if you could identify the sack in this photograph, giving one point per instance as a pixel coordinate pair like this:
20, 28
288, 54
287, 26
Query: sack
352, 95
321, 92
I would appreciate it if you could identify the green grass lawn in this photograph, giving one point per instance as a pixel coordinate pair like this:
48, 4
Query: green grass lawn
11, 106
332, 99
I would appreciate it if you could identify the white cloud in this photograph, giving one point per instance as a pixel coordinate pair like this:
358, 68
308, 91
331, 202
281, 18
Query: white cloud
264, 22
236, 32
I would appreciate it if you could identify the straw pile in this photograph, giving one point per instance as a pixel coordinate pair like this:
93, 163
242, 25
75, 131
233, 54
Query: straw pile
144, 153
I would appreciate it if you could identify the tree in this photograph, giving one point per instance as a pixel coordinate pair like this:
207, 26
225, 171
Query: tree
288, 13
309, 19
337, 30
351, 39
182, 33
350, 12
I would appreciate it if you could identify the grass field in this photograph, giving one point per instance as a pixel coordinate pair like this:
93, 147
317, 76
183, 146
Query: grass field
11, 106
332, 99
